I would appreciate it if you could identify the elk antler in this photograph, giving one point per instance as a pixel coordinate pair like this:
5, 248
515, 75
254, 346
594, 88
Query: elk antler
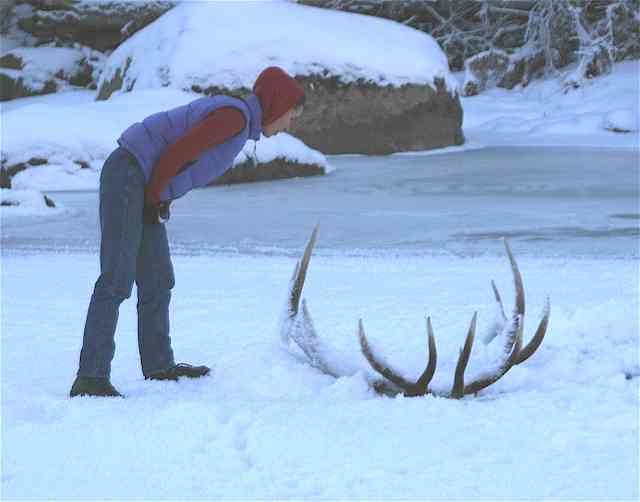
298, 326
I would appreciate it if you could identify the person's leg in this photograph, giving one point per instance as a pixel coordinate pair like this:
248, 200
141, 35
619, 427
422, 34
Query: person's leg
154, 278
121, 207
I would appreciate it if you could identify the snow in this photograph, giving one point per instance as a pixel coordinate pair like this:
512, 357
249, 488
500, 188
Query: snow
545, 113
622, 120
241, 37
563, 425
401, 237
43, 63
540, 114
31, 127
25, 202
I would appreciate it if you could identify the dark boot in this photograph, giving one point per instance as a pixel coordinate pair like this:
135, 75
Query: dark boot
93, 386
182, 369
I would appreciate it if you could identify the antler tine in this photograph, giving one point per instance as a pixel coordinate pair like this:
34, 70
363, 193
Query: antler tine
381, 368
297, 325
503, 318
422, 384
535, 342
300, 275
513, 344
496, 294
307, 339
517, 280
458, 382
515, 338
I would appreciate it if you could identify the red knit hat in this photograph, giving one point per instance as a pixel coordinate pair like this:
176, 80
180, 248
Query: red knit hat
278, 93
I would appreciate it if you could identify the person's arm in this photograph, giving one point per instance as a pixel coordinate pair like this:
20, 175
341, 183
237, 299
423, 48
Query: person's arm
216, 128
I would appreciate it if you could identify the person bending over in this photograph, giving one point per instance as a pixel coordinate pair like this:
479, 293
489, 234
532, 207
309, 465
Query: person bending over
157, 161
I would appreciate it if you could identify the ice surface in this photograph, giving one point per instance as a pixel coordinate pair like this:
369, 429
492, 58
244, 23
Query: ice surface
556, 202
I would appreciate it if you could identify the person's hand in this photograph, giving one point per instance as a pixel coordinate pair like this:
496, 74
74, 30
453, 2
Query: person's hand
164, 211
157, 214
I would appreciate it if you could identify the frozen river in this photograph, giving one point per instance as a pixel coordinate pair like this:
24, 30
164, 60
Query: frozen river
551, 202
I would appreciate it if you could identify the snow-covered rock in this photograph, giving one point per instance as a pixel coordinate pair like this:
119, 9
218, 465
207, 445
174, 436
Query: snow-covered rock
60, 142
31, 71
365, 94
622, 120
99, 24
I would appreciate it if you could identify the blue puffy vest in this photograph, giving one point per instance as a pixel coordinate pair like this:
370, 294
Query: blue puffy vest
147, 140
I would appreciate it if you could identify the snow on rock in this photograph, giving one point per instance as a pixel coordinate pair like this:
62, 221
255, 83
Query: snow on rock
100, 24
31, 71
623, 120
59, 142
242, 38
365, 94
277, 157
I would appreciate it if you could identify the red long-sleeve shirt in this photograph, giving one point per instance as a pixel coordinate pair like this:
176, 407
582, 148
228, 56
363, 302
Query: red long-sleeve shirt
216, 128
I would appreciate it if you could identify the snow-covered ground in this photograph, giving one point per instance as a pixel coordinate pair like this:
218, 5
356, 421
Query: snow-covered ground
562, 426
402, 237
546, 113
418, 236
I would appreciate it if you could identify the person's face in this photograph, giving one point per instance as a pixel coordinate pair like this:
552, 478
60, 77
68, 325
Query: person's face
283, 123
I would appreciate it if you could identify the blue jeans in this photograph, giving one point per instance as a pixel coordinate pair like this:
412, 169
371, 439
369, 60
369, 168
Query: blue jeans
130, 250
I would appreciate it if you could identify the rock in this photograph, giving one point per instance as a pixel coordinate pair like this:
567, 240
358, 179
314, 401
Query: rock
373, 120
108, 86
279, 168
49, 202
484, 70
353, 106
41, 70
13, 86
621, 121
11, 62
6, 11
101, 25
5, 179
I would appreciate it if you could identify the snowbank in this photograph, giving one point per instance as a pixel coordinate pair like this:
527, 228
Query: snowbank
227, 44
561, 426
603, 112
75, 135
